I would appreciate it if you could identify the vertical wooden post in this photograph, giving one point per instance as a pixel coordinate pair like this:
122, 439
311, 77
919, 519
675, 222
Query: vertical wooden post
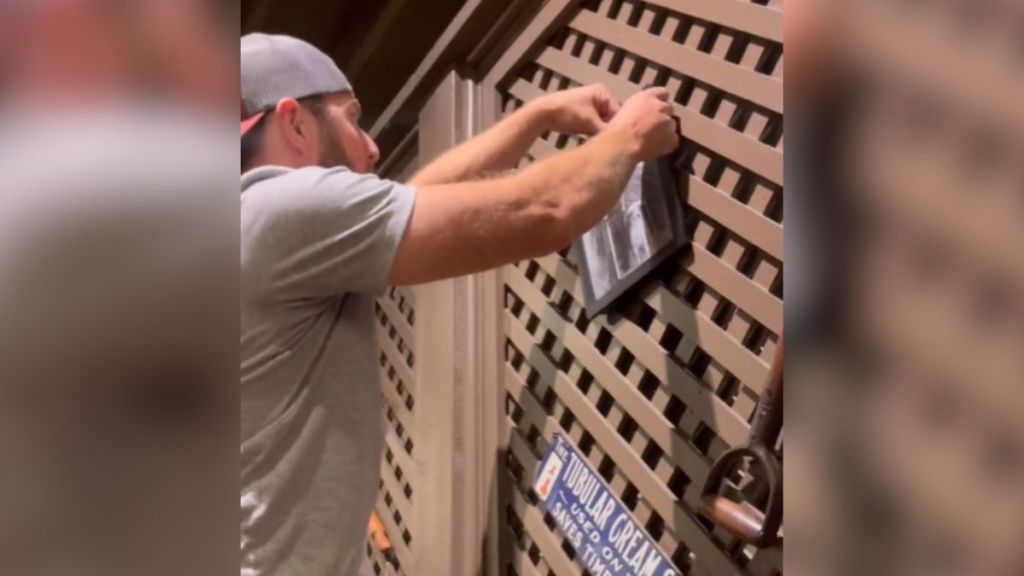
488, 295
456, 372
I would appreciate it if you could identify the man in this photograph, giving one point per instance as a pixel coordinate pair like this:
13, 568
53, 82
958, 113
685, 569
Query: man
321, 236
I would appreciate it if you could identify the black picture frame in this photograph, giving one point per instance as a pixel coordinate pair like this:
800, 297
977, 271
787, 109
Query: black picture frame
641, 231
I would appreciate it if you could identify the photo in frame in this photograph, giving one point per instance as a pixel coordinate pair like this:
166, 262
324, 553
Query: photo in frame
641, 231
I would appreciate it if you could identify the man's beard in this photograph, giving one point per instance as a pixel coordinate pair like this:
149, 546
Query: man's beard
332, 154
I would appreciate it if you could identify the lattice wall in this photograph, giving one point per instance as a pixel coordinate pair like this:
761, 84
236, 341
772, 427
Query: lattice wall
396, 338
396, 320
654, 393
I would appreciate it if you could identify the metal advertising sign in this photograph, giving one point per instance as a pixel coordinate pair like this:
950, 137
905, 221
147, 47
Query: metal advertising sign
608, 541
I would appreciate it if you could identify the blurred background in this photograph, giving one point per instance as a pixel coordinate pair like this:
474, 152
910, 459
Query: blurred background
905, 451
118, 288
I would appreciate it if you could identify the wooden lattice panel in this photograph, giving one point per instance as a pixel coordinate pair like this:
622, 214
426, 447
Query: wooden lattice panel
395, 315
653, 393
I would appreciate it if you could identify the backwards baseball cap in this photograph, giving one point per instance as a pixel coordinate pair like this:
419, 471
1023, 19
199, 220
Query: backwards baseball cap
277, 67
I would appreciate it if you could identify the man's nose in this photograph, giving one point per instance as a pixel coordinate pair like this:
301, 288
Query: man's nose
374, 151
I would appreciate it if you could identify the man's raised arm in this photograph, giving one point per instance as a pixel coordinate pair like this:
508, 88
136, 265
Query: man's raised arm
584, 110
462, 228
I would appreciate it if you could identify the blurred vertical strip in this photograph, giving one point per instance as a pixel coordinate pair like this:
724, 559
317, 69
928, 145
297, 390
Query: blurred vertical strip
905, 438
118, 288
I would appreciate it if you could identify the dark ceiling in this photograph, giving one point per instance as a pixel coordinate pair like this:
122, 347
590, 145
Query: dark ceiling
377, 43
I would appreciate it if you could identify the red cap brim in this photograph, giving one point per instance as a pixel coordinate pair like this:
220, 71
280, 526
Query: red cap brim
248, 123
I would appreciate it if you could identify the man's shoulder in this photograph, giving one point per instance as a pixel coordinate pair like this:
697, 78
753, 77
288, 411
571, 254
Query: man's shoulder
278, 176
278, 183
277, 187
264, 177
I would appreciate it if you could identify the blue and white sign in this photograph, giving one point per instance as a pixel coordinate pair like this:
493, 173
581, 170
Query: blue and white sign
608, 541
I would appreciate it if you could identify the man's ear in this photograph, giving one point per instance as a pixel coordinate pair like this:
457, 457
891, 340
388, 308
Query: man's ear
291, 124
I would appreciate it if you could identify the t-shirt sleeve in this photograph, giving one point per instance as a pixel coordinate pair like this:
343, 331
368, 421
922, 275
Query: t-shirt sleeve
322, 232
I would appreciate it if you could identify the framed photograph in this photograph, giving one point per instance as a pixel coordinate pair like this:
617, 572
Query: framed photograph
640, 232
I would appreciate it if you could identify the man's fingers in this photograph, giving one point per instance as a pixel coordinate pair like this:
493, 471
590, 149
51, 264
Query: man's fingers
595, 121
606, 105
607, 109
659, 92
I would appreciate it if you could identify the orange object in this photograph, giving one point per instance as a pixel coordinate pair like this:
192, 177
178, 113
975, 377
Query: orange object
377, 533
380, 539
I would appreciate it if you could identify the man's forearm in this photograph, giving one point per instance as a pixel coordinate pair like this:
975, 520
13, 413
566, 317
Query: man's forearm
497, 150
581, 185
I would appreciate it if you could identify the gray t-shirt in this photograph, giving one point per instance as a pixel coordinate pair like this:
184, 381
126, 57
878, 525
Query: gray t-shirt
316, 248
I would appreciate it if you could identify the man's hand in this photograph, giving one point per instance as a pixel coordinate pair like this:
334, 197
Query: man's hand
646, 122
583, 110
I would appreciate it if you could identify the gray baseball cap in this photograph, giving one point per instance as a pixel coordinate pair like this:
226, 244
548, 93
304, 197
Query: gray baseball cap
276, 67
